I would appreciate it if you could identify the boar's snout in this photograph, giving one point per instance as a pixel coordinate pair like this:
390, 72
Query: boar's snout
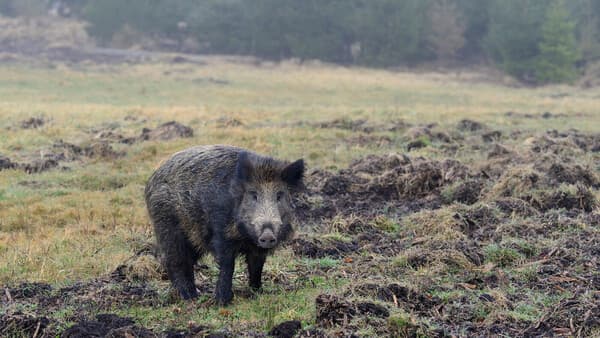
267, 239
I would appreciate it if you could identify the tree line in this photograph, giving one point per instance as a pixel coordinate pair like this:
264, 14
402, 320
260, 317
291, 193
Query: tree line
538, 41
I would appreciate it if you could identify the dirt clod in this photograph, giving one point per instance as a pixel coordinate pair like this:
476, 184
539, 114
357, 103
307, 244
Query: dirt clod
107, 325
315, 248
167, 131
332, 311
33, 123
286, 329
6, 163
19, 324
470, 125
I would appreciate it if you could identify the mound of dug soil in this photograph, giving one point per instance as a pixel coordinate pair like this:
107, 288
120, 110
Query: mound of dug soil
26, 325
377, 182
33, 122
107, 325
6, 163
334, 311
167, 131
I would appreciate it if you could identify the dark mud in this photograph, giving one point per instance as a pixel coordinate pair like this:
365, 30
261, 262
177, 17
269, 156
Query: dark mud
286, 329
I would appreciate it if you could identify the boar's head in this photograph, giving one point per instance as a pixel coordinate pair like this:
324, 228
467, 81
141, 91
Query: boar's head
263, 189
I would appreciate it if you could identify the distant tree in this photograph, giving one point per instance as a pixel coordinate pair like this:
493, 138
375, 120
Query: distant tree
585, 14
447, 29
391, 32
476, 18
558, 51
514, 35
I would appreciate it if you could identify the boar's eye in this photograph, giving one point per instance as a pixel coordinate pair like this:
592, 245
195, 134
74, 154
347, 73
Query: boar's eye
254, 195
279, 196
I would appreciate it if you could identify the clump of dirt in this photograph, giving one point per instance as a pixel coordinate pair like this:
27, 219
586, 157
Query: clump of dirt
570, 197
332, 311
492, 136
33, 123
470, 125
143, 266
399, 295
516, 182
19, 324
166, 131
6, 163
416, 144
335, 311
39, 165
571, 317
466, 192
361, 125
479, 222
228, 122
570, 173
315, 248
515, 206
101, 150
422, 135
109, 136
107, 325
286, 329
369, 140
391, 180
27, 290
68, 152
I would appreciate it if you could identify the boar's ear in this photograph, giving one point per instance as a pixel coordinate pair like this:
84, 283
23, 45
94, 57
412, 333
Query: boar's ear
293, 173
244, 167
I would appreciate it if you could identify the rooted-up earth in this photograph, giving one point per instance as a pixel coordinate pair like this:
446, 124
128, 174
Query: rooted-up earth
476, 226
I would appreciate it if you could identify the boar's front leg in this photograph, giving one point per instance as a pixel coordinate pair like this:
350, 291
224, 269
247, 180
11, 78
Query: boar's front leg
255, 261
225, 256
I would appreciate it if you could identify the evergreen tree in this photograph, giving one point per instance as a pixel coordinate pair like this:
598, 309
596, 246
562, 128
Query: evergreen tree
558, 47
514, 34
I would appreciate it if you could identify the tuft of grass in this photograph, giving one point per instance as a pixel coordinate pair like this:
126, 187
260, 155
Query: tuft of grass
502, 256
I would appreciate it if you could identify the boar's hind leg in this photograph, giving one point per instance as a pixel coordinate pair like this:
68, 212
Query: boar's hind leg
255, 261
179, 256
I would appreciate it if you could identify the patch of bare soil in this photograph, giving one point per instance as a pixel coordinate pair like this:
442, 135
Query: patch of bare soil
107, 325
18, 323
6, 163
61, 152
167, 131
360, 125
33, 122
286, 329
377, 182
101, 146
316, 248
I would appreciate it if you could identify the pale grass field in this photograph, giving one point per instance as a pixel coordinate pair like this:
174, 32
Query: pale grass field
75, 224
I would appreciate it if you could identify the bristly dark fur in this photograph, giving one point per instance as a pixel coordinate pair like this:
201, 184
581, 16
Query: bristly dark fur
199, 202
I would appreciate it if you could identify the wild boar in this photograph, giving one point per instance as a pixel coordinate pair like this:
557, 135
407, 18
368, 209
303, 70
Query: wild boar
224, 200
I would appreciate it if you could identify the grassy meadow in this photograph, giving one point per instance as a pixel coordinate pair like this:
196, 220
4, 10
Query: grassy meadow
82, 219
